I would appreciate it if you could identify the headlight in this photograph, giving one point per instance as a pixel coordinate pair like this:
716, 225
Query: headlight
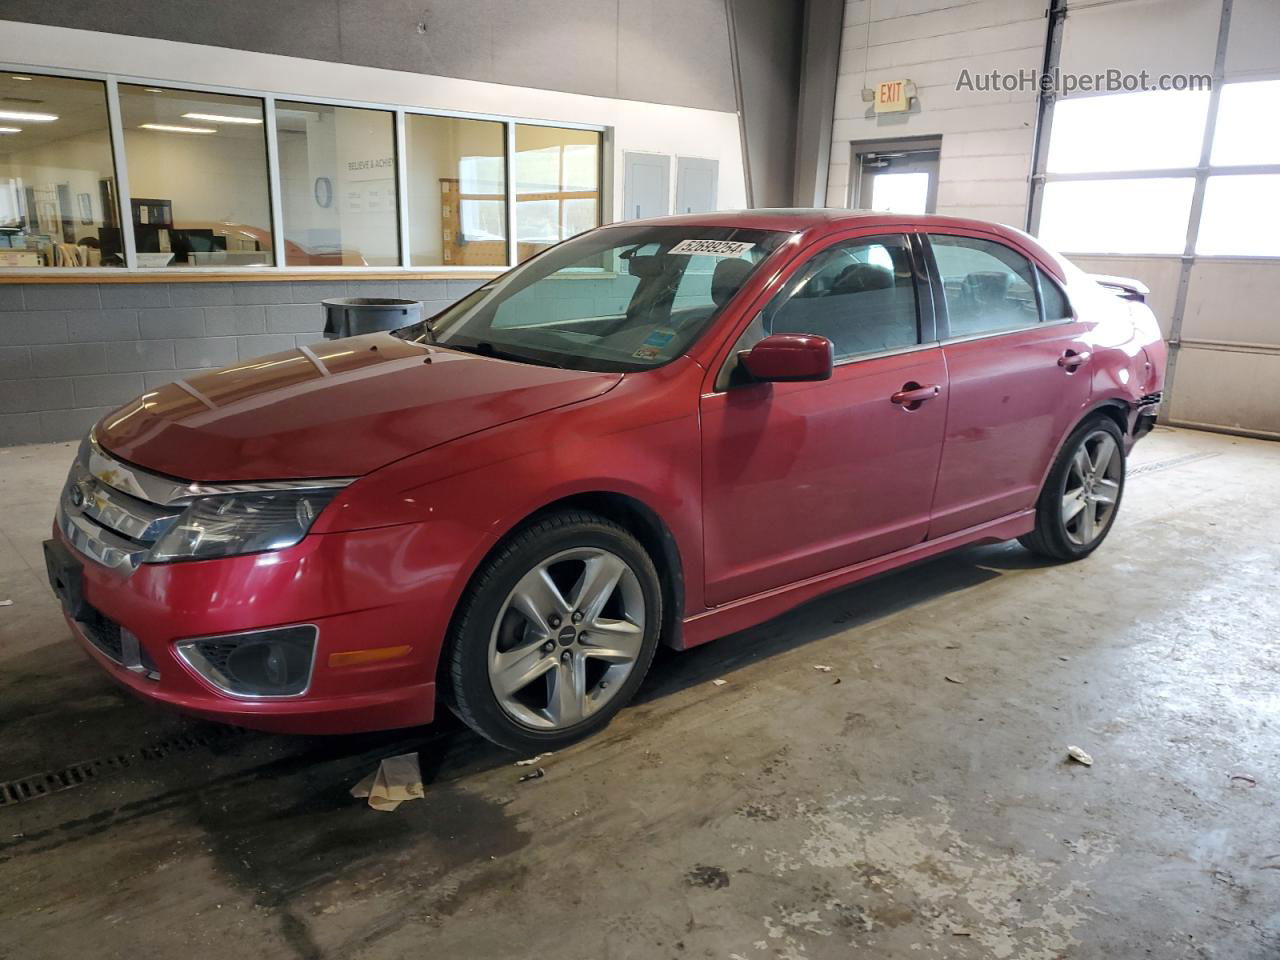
229, 524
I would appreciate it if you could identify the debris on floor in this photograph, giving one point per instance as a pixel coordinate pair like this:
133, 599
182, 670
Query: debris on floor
6, 603
961, 932
532, 760
1079, 756
822, 666
718, 682
534, 775
396, 780
950, 679
1248, 779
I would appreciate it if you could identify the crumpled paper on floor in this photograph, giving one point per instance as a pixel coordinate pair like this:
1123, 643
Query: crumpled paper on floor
396, 780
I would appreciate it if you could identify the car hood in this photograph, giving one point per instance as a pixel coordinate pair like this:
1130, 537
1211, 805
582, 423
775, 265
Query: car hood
336, 409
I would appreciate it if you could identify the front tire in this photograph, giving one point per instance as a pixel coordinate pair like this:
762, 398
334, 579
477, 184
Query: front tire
1082, 493
555, 633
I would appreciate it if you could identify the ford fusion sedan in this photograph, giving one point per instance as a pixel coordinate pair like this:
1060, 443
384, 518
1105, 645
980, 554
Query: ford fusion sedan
658, 432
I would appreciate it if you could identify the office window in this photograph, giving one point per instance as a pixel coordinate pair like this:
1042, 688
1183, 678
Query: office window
1128, 131
860, 295
1146, 215
197, 178
1239, 216
57, 178
457, 191
557, 174
1246, 131
989, 288
337, 185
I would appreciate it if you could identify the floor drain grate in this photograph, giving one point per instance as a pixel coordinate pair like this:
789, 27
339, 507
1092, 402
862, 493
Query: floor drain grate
1171, 462
87, 771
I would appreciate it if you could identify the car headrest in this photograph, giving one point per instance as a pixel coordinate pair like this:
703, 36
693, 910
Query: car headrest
728, 277
860, 277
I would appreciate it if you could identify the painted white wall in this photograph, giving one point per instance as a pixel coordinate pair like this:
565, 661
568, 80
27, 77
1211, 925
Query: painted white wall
636, 125
986, 137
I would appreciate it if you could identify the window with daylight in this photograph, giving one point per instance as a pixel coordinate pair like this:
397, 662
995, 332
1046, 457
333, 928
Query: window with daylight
1117, 216
457, 191
557, 174
337, 185
1128, 131
198, 184
58, 205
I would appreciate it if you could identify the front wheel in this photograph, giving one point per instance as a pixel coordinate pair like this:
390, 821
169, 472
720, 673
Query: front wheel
555, 634
1082, 493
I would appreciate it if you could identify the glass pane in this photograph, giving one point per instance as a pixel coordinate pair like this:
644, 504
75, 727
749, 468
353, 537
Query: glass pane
1117, 216
457, 191
1053, 302
859, 295
1128, 131
557, 174
57, 178
666, 286
197, 178
900, 192
1240, 216
337, 185
1243, 134
988, 287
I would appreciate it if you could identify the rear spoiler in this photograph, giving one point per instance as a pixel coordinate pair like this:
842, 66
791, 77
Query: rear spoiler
1123, 287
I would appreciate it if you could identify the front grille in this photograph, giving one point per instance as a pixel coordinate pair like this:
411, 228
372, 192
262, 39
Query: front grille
103, 633
1150, 400
117, 644
114, 513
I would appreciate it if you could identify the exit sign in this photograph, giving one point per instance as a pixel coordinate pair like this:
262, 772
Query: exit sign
891, 97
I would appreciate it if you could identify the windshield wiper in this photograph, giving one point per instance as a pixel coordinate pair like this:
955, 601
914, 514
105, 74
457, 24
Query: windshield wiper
486, 349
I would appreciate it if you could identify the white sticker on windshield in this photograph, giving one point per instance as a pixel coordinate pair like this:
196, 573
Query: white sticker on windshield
712, 248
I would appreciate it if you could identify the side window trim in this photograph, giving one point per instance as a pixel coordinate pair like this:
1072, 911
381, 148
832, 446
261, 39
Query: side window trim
1042, 278
905, 239
929, 303
940, 299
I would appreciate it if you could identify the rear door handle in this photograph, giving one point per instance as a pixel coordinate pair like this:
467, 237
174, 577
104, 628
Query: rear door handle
913, 394
1071, 359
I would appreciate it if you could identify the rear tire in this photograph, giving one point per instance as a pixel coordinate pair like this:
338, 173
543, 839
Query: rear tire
555, 633
1082, 493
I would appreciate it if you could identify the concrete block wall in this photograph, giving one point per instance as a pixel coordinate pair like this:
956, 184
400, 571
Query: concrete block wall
986, 136
70, 353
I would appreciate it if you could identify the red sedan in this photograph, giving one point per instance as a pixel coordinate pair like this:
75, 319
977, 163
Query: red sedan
656, 432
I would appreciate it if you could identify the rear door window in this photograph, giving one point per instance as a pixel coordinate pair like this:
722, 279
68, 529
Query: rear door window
859, 294
989, 288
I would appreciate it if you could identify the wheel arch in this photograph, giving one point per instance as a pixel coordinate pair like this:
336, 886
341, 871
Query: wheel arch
639, 519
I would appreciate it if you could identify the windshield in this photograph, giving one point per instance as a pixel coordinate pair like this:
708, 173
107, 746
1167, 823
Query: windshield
615, 299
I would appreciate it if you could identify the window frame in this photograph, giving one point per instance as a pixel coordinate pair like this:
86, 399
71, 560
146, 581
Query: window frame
269, 98
940, 298
1199, 174
919, 286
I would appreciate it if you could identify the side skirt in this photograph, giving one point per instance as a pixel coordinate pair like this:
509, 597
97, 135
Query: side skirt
749, 611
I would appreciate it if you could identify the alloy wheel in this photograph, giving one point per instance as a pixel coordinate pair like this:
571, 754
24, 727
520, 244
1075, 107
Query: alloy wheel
1092, 487
566, 638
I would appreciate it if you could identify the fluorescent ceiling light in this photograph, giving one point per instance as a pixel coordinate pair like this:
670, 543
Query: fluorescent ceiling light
29, 117
10, 129
174, 128
219, 118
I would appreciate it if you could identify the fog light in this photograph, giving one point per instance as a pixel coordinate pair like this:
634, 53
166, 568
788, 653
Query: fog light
264, 663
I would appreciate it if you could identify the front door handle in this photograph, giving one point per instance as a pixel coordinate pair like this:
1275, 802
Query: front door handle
913, 394
1072, 359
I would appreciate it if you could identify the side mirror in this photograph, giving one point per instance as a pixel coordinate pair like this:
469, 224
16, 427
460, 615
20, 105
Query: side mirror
789, 356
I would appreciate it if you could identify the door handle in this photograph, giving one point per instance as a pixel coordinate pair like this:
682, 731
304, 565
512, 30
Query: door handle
913, 394
1071, 359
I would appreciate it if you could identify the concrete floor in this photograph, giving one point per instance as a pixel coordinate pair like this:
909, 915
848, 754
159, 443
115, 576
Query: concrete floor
879, 809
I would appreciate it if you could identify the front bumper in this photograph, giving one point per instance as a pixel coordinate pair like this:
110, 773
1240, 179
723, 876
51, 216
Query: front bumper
363, 590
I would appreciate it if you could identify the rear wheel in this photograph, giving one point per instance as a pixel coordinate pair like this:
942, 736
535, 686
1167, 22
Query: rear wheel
555, 634
1082, 493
